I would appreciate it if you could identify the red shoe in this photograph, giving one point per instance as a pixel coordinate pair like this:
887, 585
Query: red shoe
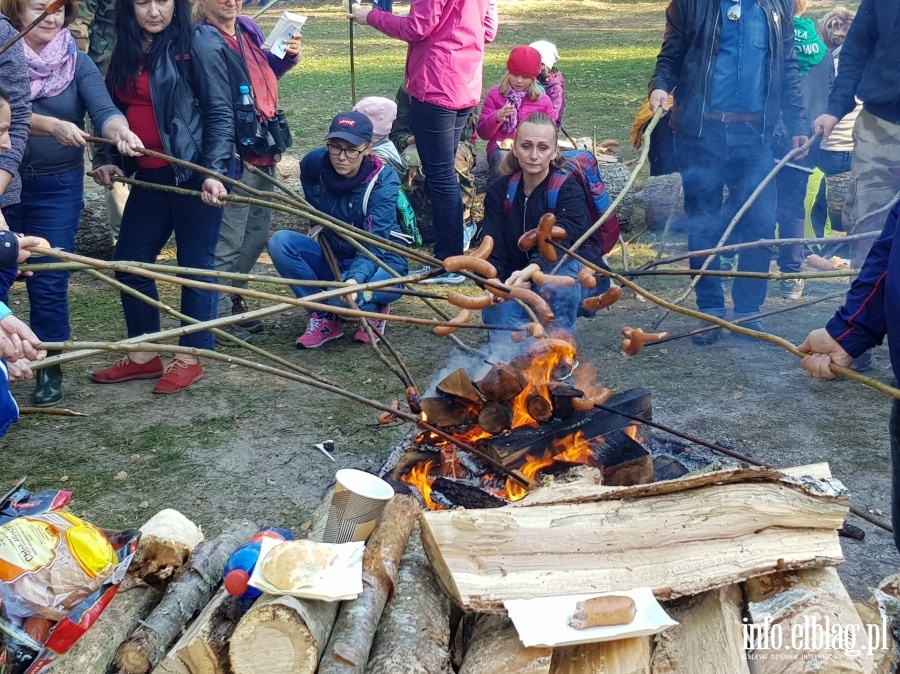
178, 376
126, 370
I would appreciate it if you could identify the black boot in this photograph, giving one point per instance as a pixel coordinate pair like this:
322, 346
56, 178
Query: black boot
48, 385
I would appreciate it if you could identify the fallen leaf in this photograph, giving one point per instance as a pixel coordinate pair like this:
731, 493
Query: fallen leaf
135, 457
279, 406
737, 396
64, 478
276, 439
271, 483
144, 504
121, 475
305, 526
198, 502
879, 511
285, 512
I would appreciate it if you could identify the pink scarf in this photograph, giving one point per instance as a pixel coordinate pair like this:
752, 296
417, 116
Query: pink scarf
516, 98
53, 70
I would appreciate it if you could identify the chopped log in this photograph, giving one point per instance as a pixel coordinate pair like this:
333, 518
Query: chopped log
281, 634
495, 649
413, 636
539, 408
623, 461
622, 656
458, 385
348, 648
708, 638
167, 541
203, 649
501, 383
94, 652
781, 605
189, 592
727, 526
442, 411
561, 396
495, 417
458, 494
881, 641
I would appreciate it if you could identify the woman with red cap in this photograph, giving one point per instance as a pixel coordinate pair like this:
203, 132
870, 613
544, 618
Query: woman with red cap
510, 102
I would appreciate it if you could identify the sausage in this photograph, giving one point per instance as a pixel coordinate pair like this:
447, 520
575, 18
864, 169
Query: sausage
468, 301
519, 337
607, 299
558, 233
609, 143
536, 330
541, 279
609, 610
495, 288
582, 405
528, 240
636, 338
535, 301
413, 399
387, 417
444, 330
38, 628
600, 396
545, 225
461, 262
483, 252
586, 278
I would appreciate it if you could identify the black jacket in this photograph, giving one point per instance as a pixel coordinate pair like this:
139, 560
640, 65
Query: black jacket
687, 61
571, 214
869, 68
192, 102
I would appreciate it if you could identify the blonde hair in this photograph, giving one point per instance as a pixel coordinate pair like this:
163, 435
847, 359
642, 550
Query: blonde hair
800, 7
13, 9
510, 163
534, 90
834, 25
197, 12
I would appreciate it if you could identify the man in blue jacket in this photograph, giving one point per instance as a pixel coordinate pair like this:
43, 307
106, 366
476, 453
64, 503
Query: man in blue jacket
871, 311
733, 64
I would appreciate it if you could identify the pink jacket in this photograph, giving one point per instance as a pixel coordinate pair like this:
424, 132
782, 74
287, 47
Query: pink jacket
446, 47
489, 128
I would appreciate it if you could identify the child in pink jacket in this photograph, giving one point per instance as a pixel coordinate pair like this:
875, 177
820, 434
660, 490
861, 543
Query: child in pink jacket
506, 105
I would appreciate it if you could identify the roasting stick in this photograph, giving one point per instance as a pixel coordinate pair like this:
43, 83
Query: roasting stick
737, 216
673, 211
756, 334
769, 275
728, 452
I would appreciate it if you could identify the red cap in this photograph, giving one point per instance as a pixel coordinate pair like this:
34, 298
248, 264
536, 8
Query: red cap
236, 582
524, 61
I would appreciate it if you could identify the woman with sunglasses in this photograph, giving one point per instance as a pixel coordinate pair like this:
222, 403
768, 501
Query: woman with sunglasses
171, 81
346, 180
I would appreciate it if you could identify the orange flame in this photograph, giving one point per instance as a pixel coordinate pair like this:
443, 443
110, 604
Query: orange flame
547, 356
531, 468
574, 449
419, 478
632, 432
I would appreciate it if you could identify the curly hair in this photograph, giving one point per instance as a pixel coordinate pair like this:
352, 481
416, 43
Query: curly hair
834, 25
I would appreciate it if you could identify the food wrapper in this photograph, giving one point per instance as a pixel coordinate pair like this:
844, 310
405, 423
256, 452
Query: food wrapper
20, 502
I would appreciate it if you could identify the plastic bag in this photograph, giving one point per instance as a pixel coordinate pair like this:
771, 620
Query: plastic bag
21, 502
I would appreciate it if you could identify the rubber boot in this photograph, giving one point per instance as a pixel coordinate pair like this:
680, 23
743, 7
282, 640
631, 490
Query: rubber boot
48, 385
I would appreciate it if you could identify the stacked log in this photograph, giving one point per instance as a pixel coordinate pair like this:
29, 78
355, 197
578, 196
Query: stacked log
167, 541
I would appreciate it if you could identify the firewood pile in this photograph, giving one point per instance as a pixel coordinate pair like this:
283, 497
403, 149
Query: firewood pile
733, 555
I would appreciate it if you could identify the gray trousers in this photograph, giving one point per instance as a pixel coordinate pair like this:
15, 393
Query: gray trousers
245, 230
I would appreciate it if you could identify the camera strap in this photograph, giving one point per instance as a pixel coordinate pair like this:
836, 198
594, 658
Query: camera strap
240, 41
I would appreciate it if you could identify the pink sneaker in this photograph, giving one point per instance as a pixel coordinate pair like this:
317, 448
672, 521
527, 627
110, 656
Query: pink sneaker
378, 326
322, 328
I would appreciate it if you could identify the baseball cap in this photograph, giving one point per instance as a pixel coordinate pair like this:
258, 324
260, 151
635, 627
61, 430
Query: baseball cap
352, 126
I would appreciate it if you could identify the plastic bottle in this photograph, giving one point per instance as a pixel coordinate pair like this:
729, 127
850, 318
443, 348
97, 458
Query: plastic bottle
245, 115
240, 564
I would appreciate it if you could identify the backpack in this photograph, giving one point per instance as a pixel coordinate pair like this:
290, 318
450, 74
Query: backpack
406, 216
582, 166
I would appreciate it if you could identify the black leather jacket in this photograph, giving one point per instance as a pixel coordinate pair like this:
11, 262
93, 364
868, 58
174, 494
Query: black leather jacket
192, 102
687, 61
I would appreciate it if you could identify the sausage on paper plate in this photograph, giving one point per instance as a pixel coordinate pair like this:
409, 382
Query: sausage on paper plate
603, 611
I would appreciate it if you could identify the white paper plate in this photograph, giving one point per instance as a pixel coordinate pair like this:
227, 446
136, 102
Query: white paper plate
545, 621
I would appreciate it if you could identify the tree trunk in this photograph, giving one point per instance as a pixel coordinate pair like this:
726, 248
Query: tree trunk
495, 649
167, 541
539, 408
495, 418
354, 630
622, 656
191, 591
413, 636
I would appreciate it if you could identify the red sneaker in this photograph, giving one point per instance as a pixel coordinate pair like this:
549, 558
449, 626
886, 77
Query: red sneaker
178, 376
126, 370
378, 326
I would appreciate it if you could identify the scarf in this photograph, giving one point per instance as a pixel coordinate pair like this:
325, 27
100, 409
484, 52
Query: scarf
516, 98
53, 70
808, 46
335, 182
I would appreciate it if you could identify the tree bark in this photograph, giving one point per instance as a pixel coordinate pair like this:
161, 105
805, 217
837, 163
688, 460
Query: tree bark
189, 592
539, 408
458, 385
167, 541
495, 418
495, 649
443, 411
501, 383
622, 656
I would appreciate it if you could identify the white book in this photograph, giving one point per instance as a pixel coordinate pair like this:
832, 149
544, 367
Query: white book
289, 25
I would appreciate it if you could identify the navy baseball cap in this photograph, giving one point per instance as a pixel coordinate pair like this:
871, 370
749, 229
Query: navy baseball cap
354, 127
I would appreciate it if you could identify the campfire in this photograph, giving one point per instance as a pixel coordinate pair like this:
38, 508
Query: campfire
535, 413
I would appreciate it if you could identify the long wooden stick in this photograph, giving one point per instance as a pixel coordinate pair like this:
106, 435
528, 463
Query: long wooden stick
722, 323
771, 276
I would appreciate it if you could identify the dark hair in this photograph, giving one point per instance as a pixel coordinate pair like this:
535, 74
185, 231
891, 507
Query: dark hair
128, 56
510, 164
4, 99
13, 9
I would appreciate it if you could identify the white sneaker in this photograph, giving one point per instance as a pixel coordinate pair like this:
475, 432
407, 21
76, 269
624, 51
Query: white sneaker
469, 232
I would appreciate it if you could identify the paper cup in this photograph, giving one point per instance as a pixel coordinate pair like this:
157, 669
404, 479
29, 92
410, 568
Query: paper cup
356, 506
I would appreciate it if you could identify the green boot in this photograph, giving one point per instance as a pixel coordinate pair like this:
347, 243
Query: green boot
48, 385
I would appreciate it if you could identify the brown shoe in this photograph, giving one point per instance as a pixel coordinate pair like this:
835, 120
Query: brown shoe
178, 376
126, 370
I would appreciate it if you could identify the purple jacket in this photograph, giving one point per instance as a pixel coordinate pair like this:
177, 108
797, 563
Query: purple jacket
14, 78
489, 128
555, 88
446, 48
279, 66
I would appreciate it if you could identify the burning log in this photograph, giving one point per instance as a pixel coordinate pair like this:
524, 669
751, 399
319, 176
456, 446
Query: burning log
501, 383
167, 541
414, 633
623, 461
622, 656
444, 412
727, 526
354, 630
456, 494
538, 407
708, 638
495, 649
561, 396
495, 417
458, 385
190, 591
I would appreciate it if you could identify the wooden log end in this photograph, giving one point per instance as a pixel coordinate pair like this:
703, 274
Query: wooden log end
274, 639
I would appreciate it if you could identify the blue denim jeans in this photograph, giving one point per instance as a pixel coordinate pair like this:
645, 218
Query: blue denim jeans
149, 219
790, 187
894, 427
437, 131
50, 207
735, 155
297, 256
831, 164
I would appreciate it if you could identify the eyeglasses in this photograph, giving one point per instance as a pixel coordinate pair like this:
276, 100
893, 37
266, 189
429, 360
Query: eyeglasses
348, 152
734, 12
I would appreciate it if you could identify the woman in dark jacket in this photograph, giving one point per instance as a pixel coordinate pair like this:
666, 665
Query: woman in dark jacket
507, 216
171, 81
346, 180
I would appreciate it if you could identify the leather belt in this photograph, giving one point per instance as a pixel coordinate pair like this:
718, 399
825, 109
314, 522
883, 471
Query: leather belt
726, 117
